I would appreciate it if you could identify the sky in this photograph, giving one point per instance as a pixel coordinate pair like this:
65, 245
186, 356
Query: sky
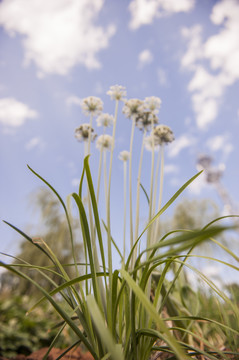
55, 53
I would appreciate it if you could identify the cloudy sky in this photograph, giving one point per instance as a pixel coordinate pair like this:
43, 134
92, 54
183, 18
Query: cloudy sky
55, 53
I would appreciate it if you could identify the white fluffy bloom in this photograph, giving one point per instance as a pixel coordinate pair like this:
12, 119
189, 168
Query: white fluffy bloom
105, 120
149, 143
83, 132
145, 120
124, 155
132, 107
92, 105
152, 104
117, 92
163, 134
104, 141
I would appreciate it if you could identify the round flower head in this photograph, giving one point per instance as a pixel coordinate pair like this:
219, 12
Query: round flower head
132, 107
105, 120
104, 141
145, 119
83, 132
149, 143
92, 105
163, 135
124, 155
117, 92
152, 104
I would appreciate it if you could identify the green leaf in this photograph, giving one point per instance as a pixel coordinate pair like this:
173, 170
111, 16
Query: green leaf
103, 331
154, 314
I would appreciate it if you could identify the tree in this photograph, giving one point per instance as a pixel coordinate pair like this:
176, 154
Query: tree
54, 231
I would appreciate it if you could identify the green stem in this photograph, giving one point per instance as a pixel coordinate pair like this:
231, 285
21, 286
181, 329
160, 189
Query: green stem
138, 195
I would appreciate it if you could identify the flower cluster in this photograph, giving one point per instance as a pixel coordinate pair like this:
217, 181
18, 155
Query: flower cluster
124, 155
104, 142
84, 132
92, 105
161, 134
145, 119
105, 120
117, 92
132, 108
152, 104
143, 111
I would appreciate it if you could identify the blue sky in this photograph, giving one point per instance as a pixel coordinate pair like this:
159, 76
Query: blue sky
55, 53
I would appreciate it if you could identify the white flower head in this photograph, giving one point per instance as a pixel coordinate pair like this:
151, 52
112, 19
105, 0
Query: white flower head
145, 120
132, 108
104, 141
105, 120
83, 132
163, 134
117, 92
92, 105
124, 155
152, 104
149, 143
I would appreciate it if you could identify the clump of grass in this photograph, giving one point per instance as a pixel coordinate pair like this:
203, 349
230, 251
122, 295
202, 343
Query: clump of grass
135, 310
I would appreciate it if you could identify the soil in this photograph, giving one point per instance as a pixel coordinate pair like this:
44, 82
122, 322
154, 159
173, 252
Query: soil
74, 354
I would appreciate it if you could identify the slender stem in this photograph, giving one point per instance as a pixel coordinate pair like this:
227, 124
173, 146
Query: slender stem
151, 188
125, 204
99, 175
155, 192
138, 192
130, 184
92, 230
89, 139
105, 178
156, 183
160, 190
108, 200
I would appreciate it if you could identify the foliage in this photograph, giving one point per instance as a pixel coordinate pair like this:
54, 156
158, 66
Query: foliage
130, 312
21, 333
191, 214
53, 229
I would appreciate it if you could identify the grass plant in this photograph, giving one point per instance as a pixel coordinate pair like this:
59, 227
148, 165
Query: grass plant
137, 310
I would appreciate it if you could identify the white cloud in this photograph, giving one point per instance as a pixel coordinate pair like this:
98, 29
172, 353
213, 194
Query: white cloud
35, 142
14, 113
211, 271
145, 58
75, 182
179, 144
171, 169
162, 77
220, 143
57, 34
222, 53
194, 51
143, 12
198, 185
73, 100
98, 88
